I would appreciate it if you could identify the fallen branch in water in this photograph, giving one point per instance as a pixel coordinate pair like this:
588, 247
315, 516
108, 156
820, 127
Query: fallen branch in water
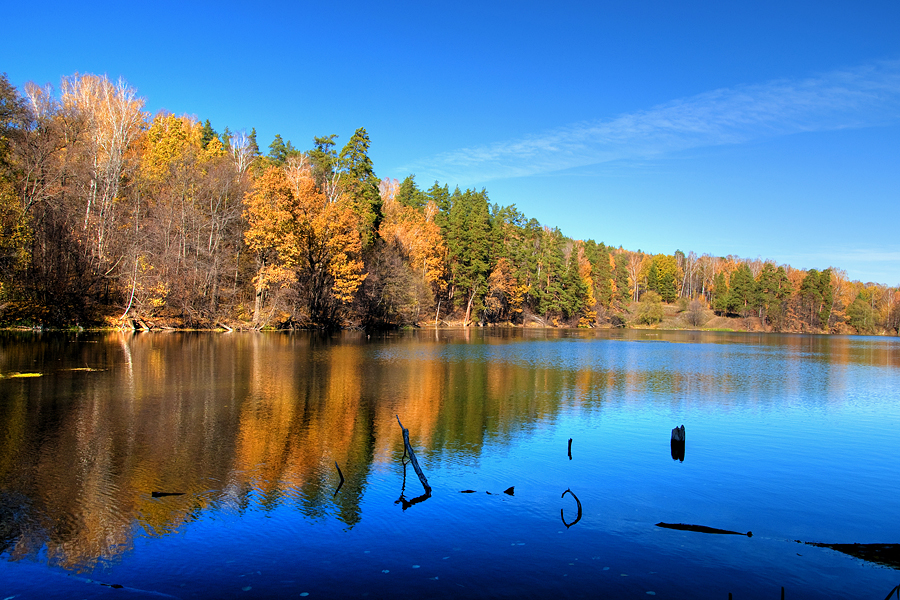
701, 529
408, 451
578, 502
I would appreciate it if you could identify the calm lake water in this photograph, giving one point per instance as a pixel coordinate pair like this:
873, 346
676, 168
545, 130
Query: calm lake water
792, 437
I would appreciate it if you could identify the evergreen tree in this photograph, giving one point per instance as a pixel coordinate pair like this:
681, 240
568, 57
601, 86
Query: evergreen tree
323, 157
772, 289
409, 193
207, 133
817, 296
279, 151
653, 278
361, 184
623, 294
720, 294
742, 295
252, 146
469, 245
861, 315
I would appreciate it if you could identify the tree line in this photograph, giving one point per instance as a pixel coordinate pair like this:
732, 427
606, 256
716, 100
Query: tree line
109, 215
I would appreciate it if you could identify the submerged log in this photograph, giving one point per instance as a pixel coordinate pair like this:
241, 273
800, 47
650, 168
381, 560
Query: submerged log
701, 529
408, 451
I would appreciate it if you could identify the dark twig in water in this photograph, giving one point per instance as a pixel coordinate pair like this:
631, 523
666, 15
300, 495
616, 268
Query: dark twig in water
408, 451
896, 590
570, 448
341, 484
577, 502
164, 494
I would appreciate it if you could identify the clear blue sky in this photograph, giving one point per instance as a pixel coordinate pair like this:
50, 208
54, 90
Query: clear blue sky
760, 129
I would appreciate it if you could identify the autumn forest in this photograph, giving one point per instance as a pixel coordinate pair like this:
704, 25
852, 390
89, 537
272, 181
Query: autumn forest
112, 217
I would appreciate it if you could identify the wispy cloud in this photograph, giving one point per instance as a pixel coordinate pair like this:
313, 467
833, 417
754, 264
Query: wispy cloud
859, 97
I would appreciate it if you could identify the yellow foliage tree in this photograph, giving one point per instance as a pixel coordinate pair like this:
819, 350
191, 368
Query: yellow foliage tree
417, 234
304, 242
585, 273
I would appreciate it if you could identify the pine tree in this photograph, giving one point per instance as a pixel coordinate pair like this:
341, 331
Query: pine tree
207, 133
361, 184
409, 193
720, 294
742, 295
469, 245
252, 146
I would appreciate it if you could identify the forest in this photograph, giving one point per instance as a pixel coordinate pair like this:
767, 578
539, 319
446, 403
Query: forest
112, 217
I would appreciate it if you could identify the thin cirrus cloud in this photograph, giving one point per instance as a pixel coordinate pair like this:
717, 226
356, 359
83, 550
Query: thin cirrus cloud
863, 96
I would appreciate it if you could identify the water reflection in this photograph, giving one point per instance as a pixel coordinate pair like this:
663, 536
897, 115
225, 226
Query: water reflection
255, 421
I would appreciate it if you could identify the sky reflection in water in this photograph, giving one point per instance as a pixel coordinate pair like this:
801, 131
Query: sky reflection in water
790, 437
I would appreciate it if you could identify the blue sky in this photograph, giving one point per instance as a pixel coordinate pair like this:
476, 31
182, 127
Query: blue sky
754, 129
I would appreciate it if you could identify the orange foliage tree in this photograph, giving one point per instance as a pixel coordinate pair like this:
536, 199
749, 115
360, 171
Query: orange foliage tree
307, 246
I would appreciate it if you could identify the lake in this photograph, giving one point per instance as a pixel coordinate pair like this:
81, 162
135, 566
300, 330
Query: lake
202, 465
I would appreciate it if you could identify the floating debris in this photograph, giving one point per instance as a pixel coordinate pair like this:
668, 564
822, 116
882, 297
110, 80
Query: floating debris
19, 375
510, 491
164, 494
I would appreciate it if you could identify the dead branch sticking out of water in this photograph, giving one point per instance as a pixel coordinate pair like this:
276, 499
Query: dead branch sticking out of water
570, 448
408, 451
